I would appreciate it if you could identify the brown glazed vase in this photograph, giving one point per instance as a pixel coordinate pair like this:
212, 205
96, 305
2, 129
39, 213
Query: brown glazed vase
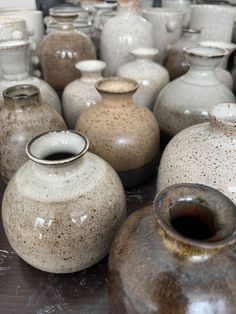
62, 49
23, 116
178, 257
124, 134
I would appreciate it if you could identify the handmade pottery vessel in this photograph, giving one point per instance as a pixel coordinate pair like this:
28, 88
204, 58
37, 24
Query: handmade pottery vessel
13, 28
204, 153
167, 24
183, 5
63, 207
61, 50
185, 101
120, 34
23, 115
180, 255
81, 94
215, 21
151, 76
15, 70
125, 135
175, 61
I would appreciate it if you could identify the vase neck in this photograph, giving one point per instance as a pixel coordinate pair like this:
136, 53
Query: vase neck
144, 54
191, 34
127, 7
91, 70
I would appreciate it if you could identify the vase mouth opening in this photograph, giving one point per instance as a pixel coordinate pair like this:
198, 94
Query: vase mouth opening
205, 52
223, 115
196, 215
90, 66
12, 44
57, 147
21, 92
117, 85
230, 47
144, 52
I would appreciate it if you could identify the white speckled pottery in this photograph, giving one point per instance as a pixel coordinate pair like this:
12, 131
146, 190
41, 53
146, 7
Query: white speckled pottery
80, 94
63, 207
215, 21
185, 101
120, 34
204, 153
183, 5
15, 70
167, 24
151, 76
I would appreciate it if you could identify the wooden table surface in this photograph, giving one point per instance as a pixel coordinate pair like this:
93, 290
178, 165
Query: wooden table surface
24, 289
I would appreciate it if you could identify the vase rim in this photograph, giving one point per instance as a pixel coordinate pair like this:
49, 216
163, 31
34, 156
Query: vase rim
223, 115
205, 52
230, 47
73, 137
191, 30
12, 44
92, 65
144, 51
113, 85
64, 12
21, 91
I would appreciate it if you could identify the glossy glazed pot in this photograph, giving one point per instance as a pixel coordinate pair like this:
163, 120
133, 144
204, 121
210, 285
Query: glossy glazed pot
81, 94
62, 49
204, 153
124, 134
180, 255
167, 25
183, 5
126, 31
63, 207
15, 70
151, 76
23, 115
185, 101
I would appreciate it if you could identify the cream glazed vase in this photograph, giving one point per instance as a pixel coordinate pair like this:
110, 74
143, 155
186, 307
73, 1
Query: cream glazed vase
204, 153
151, 76
63, 207
81, 94
185, 101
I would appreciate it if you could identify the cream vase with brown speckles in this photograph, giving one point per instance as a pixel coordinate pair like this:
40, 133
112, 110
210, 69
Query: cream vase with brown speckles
204, 153
124, 134
63, 207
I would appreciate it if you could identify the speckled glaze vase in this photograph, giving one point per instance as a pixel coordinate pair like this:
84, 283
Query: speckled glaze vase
175, 61
126, 31
63, 207
180, 255
185, 101
151, 76
81, 94
204, 153
23, 116
124, 134
15, 70
62, 49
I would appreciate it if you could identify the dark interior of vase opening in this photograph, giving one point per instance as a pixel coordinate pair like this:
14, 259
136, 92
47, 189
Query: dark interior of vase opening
21, 92
58, 156
193, 221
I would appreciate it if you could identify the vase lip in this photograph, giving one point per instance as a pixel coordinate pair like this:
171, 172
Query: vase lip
12, 44
230, 47
91, 65
144, 51
57, 137
205, 52
202, 195
117, 85
223, 115
21, 92
64, 11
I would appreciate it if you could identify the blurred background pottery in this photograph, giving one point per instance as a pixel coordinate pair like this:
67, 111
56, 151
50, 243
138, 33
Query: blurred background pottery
63, 207
23, 115
183, 5
124, 134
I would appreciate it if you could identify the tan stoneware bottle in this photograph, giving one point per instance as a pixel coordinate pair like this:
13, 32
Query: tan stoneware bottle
63, 207
23, 115
124, 134
176, 257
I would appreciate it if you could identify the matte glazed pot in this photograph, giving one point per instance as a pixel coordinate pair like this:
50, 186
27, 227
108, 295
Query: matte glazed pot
204, 153
185, 101
81, 94
176, 257
124, 134
151, 76
23, 115
63, 207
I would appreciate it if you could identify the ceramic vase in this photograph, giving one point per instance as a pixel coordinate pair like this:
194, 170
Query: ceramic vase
151, 76
179, 257
175, 61
124, 134
13, 29
185, 101
63, 207
167, 24
120, 34
61, 50
15, 70
204, 153
183, 5
81, 94
23, 116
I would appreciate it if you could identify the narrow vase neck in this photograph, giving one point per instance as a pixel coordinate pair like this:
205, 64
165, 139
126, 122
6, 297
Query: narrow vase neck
91, 76
127, 8
117, 100
65, 27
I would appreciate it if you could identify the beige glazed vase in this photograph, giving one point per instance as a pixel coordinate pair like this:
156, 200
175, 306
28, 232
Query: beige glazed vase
63, 207
23, 115
204, 153
124, 134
